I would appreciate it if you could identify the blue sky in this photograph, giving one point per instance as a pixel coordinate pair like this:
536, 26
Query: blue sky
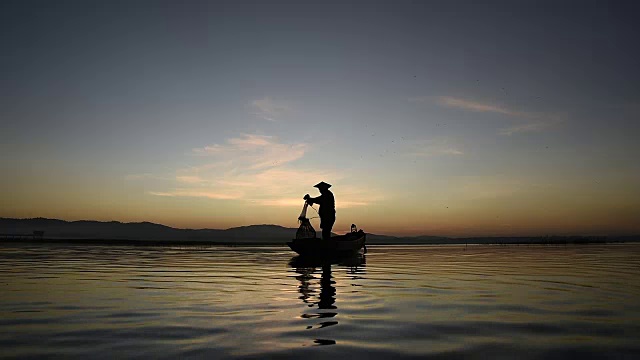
439, 117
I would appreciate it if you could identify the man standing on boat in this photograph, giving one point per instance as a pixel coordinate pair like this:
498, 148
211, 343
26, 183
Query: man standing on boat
327, 210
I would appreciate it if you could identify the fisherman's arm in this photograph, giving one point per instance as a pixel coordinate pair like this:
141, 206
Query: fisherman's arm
311, 201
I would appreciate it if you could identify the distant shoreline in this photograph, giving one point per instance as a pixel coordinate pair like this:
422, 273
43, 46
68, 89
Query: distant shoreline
137, 242
42, 230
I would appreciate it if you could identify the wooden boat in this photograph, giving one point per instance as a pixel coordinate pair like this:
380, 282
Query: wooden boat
340, 245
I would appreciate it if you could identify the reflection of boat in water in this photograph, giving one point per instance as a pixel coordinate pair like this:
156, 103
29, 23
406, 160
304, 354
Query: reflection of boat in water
341, 245
324, 300
312, 262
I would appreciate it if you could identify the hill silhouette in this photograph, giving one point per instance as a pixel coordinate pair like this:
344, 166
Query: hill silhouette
55, 229
147, 231
142, 231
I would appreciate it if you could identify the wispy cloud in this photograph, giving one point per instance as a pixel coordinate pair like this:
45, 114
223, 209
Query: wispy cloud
524, 128
450, 151
434, 147
478, 106
198, 193
259, 170
542, 123
254, 151
530, 121
269, 109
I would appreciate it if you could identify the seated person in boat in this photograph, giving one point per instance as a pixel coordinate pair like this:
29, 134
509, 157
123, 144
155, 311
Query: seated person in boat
327, 209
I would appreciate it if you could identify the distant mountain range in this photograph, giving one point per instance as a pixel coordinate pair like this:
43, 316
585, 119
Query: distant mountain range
253, 234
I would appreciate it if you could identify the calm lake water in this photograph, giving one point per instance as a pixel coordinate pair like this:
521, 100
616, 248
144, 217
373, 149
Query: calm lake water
487, 302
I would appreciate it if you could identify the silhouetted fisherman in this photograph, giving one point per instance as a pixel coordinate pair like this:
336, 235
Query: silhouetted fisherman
327, 210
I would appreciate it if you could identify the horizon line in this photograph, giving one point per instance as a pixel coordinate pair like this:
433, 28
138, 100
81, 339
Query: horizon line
285, 227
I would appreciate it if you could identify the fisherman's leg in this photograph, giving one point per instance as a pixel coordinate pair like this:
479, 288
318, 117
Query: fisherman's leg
326, 233
326, 230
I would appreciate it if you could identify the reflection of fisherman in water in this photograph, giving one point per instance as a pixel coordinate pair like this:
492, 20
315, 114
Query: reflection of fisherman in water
327, 296
327, 290
306, 268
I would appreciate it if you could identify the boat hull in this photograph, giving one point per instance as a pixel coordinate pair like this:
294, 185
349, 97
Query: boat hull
341, 245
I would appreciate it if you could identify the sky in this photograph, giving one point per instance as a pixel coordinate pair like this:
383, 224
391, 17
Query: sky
454, 118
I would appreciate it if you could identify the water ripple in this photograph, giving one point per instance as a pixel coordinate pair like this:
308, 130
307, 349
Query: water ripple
533, 302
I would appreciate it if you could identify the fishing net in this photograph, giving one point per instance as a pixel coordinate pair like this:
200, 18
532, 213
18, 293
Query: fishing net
305, 231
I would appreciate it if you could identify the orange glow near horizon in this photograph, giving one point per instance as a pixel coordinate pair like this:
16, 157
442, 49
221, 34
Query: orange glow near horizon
483, 216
